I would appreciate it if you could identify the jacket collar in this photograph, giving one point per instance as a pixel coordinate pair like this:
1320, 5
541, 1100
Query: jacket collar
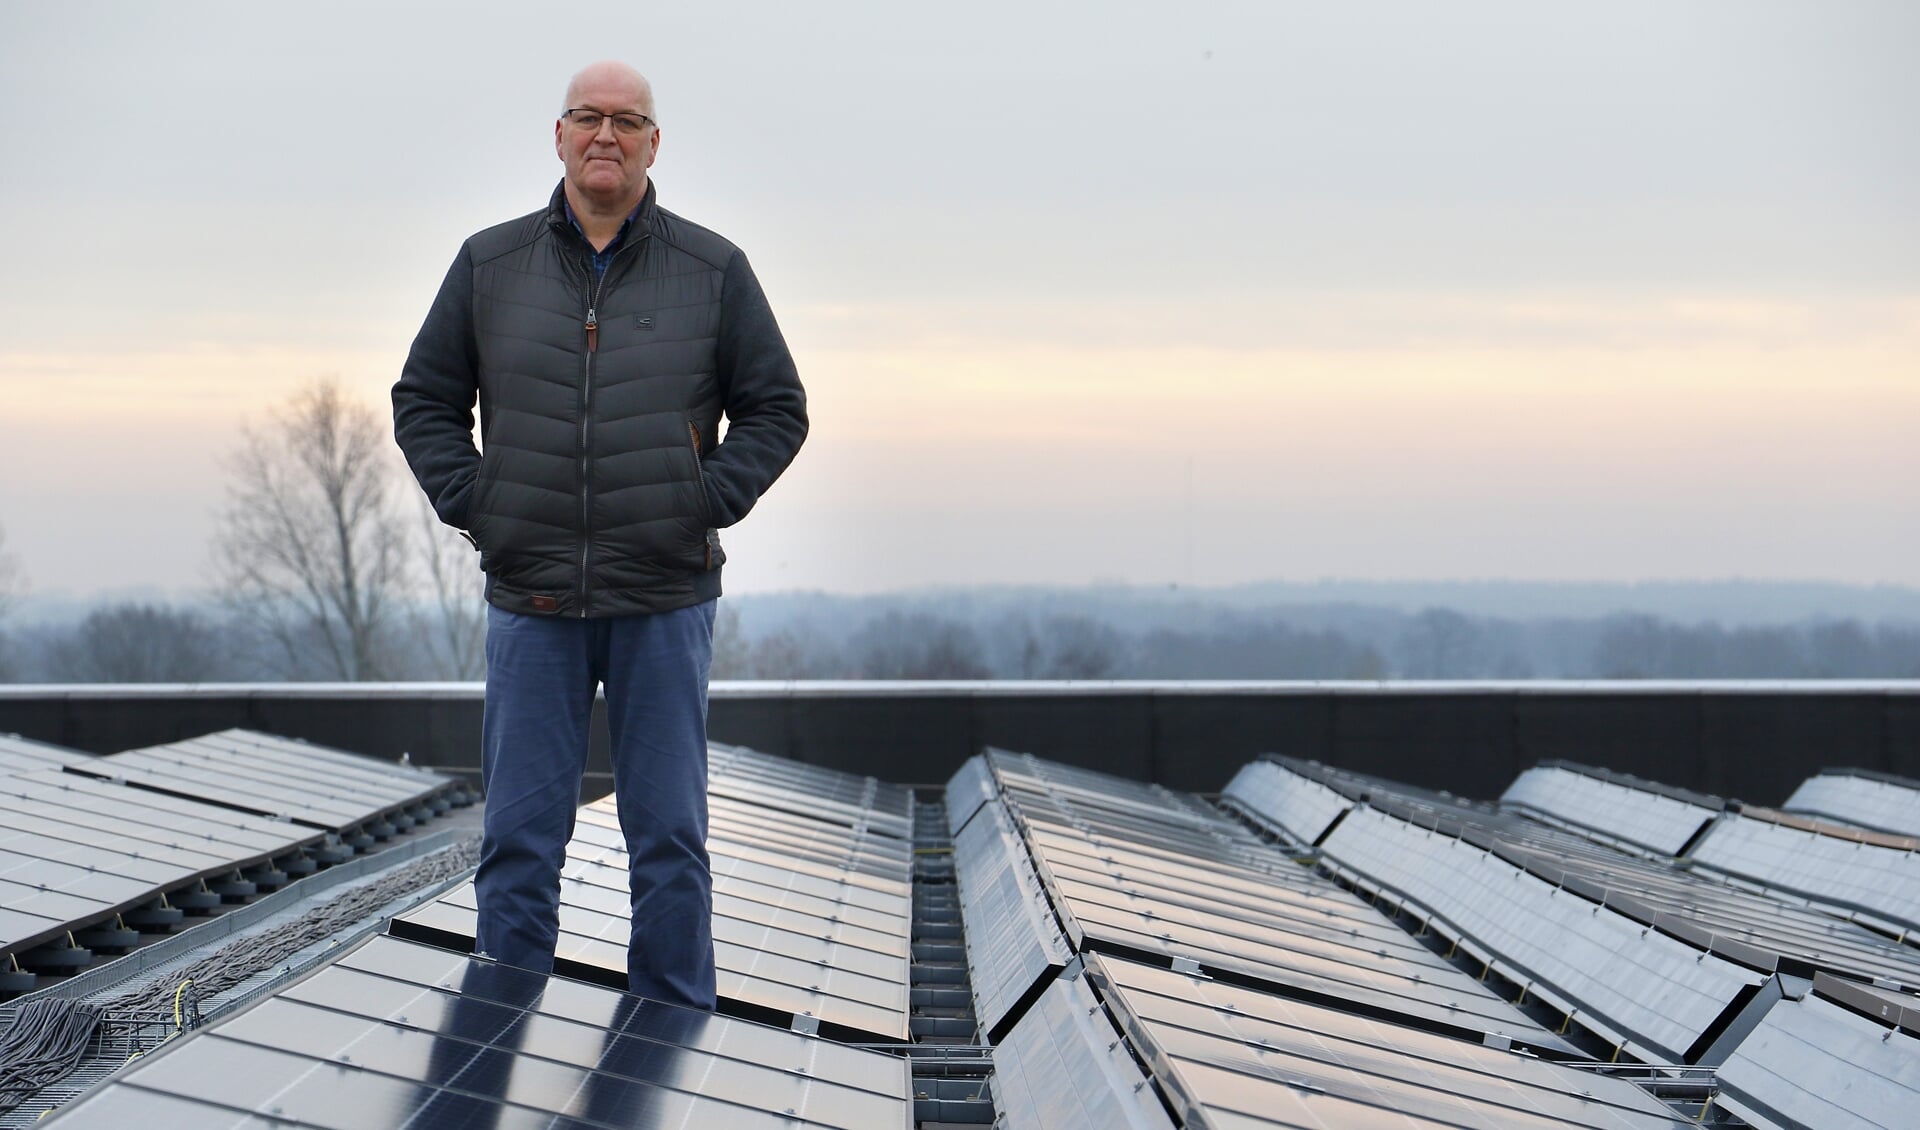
557, 210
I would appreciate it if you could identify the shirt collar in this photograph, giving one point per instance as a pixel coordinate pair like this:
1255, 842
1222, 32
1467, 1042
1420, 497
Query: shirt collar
617, 236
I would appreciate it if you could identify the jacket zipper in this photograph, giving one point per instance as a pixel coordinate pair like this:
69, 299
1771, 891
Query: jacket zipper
592, 326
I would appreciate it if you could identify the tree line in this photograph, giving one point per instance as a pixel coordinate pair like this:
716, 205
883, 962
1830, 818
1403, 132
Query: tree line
1370, 644
329, 565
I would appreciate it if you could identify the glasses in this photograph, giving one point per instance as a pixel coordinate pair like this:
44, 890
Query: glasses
588, 121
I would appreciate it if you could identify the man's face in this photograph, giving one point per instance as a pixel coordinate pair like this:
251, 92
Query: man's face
605, 165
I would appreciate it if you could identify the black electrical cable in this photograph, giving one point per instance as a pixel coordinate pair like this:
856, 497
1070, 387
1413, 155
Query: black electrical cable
46, 1040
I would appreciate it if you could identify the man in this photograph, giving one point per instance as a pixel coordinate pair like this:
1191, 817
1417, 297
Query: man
603, 338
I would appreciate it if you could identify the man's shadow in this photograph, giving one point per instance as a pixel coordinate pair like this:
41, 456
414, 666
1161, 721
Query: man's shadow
642, 1057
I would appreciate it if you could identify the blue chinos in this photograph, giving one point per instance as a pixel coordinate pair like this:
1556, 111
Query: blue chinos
541, 675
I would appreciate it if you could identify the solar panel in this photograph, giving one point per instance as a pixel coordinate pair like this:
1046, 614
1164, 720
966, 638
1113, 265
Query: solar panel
1640, 987
1870, 877
1064, 1065
311, 785
75, 851
1183, 883
812, 914
1228, 1056
969, 788
1844, 1055
397, 1033
1649, 956
22, 755
1291, 805
1612, 807
1014, 944
1878, 801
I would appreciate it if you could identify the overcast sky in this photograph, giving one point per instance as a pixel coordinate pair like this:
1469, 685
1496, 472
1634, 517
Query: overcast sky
1080, 291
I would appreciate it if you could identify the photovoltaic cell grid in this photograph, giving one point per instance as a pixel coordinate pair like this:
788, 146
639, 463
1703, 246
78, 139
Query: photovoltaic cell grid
812, 896
1843, 1055
1869, 877
1876, 801
1129, 873
1235, 1057
862, 803
1232, 1051
277, 777
76, 851
1014, 943
23, 755
1612, 807
1064, 1065
400, 1034
1646, 955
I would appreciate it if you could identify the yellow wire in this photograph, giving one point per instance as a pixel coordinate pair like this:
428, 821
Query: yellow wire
178, 1024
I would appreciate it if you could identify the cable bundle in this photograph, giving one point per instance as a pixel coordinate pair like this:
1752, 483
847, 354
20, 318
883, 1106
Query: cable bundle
234, 963
46, 1040
50, 1037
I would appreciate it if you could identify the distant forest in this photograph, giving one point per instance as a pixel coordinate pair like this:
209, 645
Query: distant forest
1747, 630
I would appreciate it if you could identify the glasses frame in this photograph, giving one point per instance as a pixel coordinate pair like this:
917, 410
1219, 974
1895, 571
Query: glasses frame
614, 117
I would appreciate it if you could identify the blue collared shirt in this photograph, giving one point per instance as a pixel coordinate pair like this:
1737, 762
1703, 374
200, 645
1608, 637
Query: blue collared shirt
603, 257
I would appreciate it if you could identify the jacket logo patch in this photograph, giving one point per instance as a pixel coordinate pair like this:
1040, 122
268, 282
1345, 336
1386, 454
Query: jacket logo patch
544, 604
642, 322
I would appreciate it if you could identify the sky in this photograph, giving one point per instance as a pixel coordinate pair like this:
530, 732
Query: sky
1081, 293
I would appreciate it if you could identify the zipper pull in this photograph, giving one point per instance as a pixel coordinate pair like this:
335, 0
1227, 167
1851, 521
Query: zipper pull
593, 331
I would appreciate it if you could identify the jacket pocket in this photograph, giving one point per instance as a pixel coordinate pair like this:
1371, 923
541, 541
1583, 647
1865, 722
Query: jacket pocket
699, 474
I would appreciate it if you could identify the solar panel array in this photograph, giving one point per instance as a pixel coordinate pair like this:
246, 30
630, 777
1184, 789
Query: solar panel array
1876, 801
1869, 877
1656, 960
1203, 966
812, 896
1319, 949
1613, 807
1842, 1055
277, 777
401, 1034
94, 851
86, 864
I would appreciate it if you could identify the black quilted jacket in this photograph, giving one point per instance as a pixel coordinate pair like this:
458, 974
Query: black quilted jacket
601, 482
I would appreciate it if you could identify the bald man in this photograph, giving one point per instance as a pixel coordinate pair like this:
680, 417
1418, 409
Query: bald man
603, 338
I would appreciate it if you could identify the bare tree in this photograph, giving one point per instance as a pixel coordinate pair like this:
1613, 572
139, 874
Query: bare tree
138, 643
311, 547
451, 613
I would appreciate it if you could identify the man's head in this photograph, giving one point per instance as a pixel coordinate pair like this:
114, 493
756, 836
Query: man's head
607, 159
